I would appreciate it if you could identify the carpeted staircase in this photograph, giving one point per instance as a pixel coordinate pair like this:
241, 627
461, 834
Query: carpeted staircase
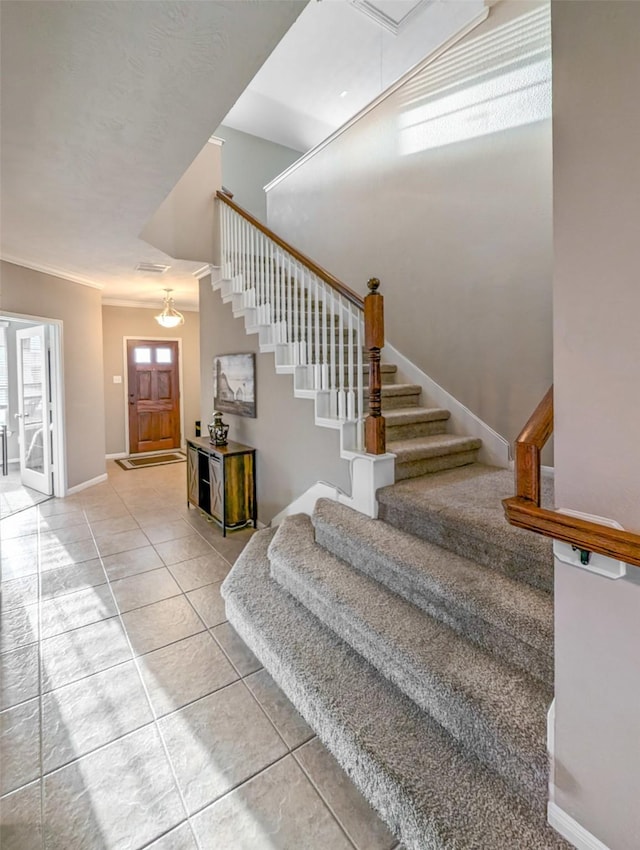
418, 435
419, 647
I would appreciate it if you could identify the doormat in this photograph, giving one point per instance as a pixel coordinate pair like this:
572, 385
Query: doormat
154, 460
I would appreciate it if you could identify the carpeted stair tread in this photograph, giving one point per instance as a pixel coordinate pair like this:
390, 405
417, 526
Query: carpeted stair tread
461, 510
504, 616
392, 390
415, 415
417, 448
492, 709
431, 794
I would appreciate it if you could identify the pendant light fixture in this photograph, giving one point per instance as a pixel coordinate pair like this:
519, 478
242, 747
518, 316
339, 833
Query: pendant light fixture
170, 317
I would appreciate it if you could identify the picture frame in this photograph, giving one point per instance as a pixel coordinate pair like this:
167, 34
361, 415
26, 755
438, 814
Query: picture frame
234, 384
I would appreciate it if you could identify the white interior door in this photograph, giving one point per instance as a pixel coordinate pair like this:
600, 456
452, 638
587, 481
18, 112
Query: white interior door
34, 409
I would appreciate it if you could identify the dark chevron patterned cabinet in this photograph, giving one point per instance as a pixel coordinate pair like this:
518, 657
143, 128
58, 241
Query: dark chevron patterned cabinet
221, 482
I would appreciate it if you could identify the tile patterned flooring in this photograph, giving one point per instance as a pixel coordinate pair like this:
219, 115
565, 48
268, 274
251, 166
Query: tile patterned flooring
132, 714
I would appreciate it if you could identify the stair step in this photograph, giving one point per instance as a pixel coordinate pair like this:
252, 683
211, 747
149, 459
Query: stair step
461, 510
406, 423
494, 711
398, 395
423, 455
511, 619
429, 791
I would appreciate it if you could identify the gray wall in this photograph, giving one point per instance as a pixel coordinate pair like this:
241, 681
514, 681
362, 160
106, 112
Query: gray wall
121, 322
597, 406
292, 452
80, 309
459, 233
248, 164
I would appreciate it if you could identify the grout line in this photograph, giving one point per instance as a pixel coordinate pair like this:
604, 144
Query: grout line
134, 657
322, 797
155, 723
40, 703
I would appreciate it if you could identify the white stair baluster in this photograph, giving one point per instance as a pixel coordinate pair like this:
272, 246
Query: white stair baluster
341, 344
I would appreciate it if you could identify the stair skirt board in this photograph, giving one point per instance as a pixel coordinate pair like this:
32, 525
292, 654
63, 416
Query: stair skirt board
429, 791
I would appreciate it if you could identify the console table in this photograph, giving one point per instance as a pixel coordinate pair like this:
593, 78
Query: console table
221, 482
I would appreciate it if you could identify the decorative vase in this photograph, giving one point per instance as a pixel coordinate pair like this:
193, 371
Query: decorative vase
218, 430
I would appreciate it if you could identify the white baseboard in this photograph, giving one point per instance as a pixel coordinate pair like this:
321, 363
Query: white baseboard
116, 456
572, 830
305, 503
99, 479
495, 450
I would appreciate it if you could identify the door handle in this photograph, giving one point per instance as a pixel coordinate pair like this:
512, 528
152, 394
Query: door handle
18, 415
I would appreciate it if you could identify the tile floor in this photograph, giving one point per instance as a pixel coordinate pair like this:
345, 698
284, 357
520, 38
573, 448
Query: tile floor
13, 496
132, 714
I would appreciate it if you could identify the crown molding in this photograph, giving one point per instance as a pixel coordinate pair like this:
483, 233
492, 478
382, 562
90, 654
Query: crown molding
51, 270
143, 305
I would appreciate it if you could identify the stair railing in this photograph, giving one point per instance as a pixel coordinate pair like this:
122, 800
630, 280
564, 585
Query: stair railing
315, 320
524, 511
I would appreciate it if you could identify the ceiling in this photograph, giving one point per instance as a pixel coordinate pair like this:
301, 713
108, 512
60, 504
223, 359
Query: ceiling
105, 104
103, 107
345, 53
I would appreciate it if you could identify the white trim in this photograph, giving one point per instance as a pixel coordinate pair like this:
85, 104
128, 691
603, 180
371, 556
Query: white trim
386, 21
495, 451
435, 54
65, 275
204, 271
570, 829
59, 458
125, 386
116, 456
99, 479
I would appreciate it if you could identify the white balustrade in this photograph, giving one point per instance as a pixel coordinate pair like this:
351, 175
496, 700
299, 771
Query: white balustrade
319, 327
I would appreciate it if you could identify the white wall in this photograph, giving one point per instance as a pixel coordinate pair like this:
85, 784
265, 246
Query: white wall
79, 307
454, 216
183, 223
248, 164
292, 452
597, 406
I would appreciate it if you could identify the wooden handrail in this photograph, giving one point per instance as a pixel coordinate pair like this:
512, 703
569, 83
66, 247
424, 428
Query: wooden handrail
323, 274
523, 510
528, 449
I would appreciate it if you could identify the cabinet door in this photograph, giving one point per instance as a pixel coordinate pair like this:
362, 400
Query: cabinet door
192, 476
216, 485
239, 493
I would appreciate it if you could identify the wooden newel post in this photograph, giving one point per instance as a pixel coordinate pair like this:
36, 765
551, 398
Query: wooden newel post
374, 425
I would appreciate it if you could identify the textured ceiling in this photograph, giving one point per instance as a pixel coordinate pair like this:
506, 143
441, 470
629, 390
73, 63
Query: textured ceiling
104, 106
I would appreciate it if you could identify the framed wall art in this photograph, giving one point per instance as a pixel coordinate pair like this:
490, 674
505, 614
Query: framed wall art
234, 384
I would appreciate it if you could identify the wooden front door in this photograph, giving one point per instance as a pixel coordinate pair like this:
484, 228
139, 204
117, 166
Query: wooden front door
154, 395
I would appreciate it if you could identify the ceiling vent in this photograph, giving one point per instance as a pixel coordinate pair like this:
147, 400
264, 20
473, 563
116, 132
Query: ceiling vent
152, 268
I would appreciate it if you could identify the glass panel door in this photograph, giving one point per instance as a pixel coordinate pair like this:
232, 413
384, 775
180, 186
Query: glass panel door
33, 415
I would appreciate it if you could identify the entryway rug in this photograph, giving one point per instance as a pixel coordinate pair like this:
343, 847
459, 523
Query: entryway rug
151, 460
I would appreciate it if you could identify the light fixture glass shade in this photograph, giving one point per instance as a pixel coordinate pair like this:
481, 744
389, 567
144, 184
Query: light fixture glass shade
169, 317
